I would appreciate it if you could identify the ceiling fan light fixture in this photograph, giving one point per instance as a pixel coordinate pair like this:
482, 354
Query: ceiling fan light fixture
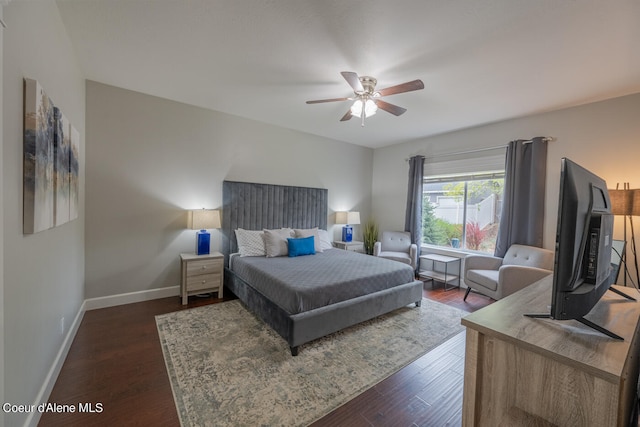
370, 108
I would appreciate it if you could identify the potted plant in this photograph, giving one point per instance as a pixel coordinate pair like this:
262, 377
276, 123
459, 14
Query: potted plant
369, 235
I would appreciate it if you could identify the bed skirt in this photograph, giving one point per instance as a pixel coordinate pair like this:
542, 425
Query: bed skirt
301, 328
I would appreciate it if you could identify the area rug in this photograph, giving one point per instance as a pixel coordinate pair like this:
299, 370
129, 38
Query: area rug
227, 368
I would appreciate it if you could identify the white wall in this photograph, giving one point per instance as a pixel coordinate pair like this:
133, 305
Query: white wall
604, 137
1, 229
150, 159
43, 272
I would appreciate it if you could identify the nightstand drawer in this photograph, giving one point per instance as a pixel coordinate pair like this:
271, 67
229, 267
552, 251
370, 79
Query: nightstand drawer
205, 266
203, 281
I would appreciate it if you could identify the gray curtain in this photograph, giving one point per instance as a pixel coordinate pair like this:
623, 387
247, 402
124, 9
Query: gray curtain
413, 216
522, 217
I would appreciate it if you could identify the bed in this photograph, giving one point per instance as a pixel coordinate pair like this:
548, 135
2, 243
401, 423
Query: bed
359, 288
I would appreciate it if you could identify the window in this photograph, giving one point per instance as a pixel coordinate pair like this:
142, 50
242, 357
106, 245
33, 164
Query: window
463, 210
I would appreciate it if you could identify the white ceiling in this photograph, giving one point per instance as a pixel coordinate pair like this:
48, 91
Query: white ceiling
481, 60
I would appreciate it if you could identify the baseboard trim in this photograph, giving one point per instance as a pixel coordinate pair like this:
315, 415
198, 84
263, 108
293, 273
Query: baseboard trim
131, 297
89, 304
56, 367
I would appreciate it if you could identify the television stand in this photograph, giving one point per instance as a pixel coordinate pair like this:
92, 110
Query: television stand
520, 372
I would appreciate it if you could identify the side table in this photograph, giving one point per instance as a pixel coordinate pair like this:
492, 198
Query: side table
434, 273
201, 274
354, 245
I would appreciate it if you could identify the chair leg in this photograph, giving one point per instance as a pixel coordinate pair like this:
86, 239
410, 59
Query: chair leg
466, 294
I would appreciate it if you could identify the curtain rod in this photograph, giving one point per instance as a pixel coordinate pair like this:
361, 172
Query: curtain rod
478, 150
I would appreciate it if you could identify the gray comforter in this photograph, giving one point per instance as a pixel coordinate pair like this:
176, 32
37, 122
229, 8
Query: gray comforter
303, 283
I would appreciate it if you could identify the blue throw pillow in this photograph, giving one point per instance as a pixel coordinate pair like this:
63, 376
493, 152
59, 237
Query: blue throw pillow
301, 246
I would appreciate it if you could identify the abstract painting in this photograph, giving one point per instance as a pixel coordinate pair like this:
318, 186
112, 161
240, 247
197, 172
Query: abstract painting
51, 156
38, 198
62, 150
74, 169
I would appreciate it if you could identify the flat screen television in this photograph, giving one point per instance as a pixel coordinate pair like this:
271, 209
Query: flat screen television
584, 236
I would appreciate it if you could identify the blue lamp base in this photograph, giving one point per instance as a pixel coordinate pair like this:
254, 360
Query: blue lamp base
347, 233
203, 240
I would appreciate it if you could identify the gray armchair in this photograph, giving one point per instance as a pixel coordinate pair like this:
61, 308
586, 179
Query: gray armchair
499, 277
396, 245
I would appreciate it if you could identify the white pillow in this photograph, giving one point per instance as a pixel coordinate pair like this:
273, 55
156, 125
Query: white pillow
250, 242
275, 242
325, 240
310, 232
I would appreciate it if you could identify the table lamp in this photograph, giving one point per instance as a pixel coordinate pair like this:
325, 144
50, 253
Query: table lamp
203, 219
347, 218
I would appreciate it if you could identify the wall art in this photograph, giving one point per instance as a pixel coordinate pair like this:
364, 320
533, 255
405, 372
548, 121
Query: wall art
50, 163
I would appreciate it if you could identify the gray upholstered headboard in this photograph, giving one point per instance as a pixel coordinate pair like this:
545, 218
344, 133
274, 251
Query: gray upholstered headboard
257, 206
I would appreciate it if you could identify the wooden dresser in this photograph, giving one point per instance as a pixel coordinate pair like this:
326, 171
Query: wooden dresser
201, 274
540, 372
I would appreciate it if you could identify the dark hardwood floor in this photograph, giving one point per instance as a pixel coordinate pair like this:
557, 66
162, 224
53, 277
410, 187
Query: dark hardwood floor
116, 361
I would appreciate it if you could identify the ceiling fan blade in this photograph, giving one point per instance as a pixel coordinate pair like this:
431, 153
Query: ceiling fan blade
390, 108
346, 116
404, 87
319, 101
353, 80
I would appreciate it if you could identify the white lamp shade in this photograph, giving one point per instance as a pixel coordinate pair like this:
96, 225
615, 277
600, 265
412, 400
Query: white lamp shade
353, 218
202, 219
347, 217
341, 217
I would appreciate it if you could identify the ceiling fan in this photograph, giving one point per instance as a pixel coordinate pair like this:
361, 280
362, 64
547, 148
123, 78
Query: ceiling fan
367, 98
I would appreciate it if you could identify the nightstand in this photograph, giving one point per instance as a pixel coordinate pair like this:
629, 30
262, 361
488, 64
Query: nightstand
353, 246
201, 274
